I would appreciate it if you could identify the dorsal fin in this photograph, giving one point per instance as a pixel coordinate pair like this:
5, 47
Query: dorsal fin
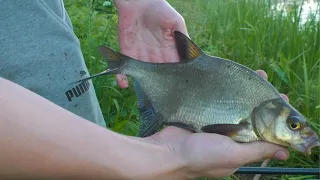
187, 49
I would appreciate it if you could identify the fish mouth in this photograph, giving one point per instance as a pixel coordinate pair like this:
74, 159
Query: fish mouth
309, 143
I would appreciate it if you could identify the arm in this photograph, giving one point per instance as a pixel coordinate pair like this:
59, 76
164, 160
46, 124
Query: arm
41, 140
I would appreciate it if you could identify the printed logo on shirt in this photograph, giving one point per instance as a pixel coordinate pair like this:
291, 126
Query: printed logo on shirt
77, 90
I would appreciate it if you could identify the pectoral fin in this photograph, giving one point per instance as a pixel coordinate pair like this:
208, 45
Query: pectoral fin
150, 120
229, 130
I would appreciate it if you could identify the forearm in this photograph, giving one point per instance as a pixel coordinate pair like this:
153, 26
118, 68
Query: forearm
41, 140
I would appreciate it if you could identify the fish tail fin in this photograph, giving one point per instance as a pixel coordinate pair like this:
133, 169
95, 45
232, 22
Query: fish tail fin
105, 72
149, 119
115, 60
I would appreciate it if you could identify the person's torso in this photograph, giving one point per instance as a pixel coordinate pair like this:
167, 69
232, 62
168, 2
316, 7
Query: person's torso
39, 51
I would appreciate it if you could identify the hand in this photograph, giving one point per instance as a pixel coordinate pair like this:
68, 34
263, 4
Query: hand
213, 155
146, 31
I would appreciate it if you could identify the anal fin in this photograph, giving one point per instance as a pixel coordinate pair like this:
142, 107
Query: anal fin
150, 120
149, 125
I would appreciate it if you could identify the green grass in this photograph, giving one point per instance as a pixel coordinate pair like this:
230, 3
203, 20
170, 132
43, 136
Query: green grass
247, 32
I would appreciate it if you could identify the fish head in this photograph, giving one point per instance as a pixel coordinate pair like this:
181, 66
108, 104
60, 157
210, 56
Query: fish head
277, 122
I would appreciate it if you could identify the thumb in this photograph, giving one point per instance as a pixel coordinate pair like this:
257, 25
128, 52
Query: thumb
248, 153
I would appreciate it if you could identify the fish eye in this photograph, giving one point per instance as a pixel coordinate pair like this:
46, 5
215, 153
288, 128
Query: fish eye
294, 123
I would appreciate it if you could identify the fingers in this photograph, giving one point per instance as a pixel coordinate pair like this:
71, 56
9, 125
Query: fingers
258, 151
171, 19
262, 73
285, 97
122, 80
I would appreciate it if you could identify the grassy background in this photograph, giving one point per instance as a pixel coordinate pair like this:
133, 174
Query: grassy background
248, 32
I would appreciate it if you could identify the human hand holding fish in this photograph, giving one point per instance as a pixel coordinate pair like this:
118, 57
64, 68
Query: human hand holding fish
145, 31
238, 103
213, 155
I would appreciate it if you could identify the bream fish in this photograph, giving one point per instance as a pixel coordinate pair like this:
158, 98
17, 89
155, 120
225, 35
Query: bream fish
209, 94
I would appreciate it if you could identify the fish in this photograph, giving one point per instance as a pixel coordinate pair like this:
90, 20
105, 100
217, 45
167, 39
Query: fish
209, 94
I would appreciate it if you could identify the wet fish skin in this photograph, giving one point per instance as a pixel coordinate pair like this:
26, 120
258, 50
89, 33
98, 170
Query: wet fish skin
210, 94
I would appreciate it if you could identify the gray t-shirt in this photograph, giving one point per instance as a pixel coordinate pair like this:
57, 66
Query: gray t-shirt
39, 51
